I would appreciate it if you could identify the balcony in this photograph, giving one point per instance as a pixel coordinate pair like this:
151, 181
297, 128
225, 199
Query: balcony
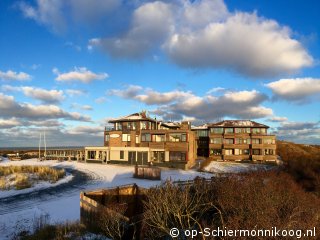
156, 145
257, 157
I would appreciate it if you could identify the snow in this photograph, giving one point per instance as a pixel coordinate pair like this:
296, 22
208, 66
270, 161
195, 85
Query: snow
66, 207
234, 167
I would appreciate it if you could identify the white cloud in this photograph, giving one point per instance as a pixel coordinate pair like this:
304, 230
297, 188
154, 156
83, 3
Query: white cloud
48, 13
300, 132
81, 74
45, 96
178, 104
92, 130
100, 100
151, 24
211, 11
277, 119
130, 92
10, 108
296, 90
244, 43
152, 97
9, 123
204, 34
75, 92
15, 76
81, 107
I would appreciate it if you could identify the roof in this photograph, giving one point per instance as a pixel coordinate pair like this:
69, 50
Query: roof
171, 124
238, 123
133, 117
200, 127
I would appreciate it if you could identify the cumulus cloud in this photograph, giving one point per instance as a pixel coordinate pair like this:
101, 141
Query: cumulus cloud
80, 74
130, 92
193, 34
92, 130
204, 34
14, 76
45, 96
211, 11
296, 90
300, 132
9, 123
10, 108
82, 107
298, 125
177, 105
58, 15
48, 13
244, 43
277, 119
56, 136
151, 24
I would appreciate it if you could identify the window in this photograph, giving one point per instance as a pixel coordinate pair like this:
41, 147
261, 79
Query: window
237, 151
107, 138
202, 133
177, 137
158, 138
158, 156
228, 130
118, 126
91, 154
245, 151
131, 125
269, 152
248, 130
228, 140
216, 130
255, 130
238, 130
247, 141
263, 130
143, 125
238, 141
216, 140
145, 137
228, 152
126, 137
268, 141
256, 152
216, 152
256, 140
121, 154
177, 156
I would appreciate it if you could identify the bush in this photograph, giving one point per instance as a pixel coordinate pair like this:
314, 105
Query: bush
260, 200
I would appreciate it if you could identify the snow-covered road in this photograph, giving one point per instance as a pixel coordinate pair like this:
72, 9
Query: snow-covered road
63, 205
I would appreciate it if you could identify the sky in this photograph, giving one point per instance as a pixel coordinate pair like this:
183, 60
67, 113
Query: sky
67, 67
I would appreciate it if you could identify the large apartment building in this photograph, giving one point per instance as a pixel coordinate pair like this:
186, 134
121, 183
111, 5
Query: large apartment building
239, 140
139, 139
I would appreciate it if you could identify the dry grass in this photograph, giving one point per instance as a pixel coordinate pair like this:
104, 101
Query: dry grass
24, 176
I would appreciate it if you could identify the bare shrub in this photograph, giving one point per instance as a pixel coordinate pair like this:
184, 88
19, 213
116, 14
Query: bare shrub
113, 223
258, 200
182, 207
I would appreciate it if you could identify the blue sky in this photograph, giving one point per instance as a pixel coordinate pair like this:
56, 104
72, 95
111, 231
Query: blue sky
66, 67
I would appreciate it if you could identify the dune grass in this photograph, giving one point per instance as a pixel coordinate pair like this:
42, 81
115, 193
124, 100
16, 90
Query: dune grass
21, 177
